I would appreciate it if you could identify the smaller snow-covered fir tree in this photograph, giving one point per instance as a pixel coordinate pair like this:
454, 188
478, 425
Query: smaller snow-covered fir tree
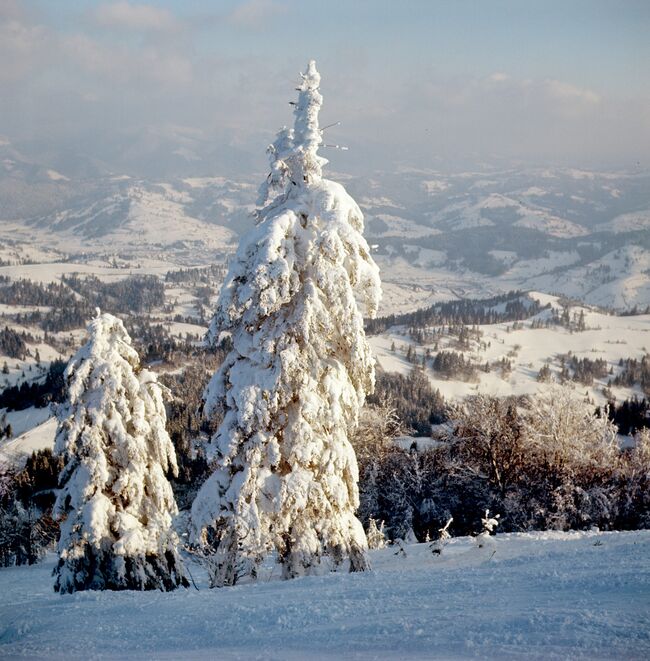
443, 537
375, 535
115, 499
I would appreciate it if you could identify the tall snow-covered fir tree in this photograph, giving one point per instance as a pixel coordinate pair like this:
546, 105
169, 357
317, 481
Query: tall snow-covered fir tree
115, 499
298, 373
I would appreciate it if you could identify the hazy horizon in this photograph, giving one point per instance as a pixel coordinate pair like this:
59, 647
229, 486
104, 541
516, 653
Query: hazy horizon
199, 86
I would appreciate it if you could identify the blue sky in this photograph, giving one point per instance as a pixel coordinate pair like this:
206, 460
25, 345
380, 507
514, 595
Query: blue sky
435, 84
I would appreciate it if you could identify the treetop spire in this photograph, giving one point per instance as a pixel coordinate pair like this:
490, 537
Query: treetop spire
306, 165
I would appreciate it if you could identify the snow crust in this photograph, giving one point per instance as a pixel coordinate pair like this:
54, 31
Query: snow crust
539, 596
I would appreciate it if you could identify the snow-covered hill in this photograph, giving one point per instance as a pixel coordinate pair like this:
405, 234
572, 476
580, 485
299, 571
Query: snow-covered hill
147, 217
540, 596
528, 347
558, 231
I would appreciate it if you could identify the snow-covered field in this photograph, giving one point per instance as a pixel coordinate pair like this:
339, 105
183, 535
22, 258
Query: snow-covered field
538, 595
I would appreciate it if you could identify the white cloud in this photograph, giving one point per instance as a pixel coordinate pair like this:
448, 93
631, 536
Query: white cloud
11, 9
551, 96
20, 45
498, 77
568, 92
135, 17
100, 80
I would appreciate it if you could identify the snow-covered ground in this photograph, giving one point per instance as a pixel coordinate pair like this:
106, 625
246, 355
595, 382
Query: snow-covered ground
536, 596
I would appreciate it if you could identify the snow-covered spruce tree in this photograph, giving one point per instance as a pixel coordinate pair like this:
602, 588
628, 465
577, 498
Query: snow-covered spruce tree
115, 499
298, 373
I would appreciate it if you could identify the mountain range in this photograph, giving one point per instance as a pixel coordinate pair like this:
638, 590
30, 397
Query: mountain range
436, 235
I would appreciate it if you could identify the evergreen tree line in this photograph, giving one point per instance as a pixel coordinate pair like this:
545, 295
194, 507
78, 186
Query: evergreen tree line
154, 343
66, 311
453, 365
635, 311
209, 275
73, 300
571, 321
631, 415
59, 319
135, 294
186, 424
513, 306
27, 292
462, 336
582, 370
415, 402
38, 394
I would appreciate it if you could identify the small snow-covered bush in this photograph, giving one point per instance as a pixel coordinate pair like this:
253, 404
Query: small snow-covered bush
488, 526
444, 536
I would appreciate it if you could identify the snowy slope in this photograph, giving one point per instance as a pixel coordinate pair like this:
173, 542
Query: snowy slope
23, 421
619, 279
17, 450
136, 215
608, 337
538, 596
